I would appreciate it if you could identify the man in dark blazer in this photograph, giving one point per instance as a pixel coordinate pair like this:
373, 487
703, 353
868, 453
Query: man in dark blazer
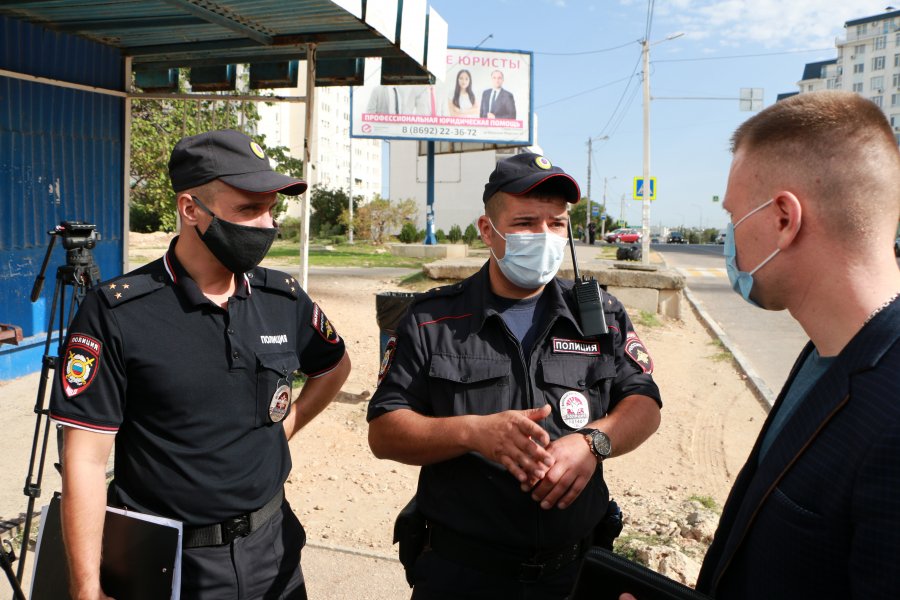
814, 198
497, 103
815, 512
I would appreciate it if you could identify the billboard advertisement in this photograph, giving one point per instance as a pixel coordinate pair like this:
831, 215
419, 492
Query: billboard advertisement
484, 97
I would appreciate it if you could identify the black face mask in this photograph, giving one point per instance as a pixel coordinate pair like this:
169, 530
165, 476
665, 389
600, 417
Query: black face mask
238, 247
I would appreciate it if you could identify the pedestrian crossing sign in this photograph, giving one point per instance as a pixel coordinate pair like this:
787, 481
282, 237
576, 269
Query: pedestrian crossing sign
639, 188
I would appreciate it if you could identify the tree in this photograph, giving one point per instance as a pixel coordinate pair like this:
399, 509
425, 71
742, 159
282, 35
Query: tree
375, 219
328, 205
471, 234
156, 125
455, 234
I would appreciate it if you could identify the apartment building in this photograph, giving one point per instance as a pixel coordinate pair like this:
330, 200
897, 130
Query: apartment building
868, 63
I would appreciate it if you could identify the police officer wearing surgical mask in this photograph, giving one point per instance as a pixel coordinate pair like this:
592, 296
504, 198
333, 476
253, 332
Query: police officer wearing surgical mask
493, 388
187, 365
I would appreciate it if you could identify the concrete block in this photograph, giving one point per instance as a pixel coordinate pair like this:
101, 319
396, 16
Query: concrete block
670, 303
638, 298
438, 251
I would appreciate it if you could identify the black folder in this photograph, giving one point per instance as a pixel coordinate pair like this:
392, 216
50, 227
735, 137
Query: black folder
604, 575
141, 555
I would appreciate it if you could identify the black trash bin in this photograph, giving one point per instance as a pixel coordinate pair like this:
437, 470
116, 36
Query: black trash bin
389, 309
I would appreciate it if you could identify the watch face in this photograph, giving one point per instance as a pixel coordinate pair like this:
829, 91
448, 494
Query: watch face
601, 443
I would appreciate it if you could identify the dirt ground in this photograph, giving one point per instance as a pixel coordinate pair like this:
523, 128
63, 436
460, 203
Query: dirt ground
348, 499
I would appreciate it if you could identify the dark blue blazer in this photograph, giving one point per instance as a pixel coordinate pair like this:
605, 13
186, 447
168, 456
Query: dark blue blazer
820, 516
504, 105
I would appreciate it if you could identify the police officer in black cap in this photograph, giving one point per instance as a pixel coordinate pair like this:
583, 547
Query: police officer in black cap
492, 387
186, 364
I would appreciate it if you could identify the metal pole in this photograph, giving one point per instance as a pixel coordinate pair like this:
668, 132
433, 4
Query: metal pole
645, 191
126, 168
350, 202
430, 238
308, 164
603, 216
587, 213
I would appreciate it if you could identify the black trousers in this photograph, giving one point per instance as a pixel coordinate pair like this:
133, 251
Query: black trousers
264, 565
437, 578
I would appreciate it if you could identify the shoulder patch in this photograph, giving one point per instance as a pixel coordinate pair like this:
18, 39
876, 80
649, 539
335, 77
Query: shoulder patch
637, 352
321, 324
81, 361
274, 280
388, 359
129, 287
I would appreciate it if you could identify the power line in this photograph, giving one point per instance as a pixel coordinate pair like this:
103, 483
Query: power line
650, 4
582, 93
622, 97
587, 51
666, 60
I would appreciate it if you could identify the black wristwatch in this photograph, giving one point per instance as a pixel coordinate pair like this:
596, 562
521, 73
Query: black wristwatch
598, 442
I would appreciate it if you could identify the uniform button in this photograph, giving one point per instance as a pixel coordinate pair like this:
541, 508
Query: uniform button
230, 331
581, 382
464, 378
235, 355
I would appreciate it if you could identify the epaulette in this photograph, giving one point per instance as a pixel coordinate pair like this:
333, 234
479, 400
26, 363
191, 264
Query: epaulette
439, 291
128, 287
274, 280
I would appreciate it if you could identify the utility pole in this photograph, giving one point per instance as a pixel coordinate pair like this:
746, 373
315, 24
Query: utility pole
603, 211
587, 216
350, 226
645, 190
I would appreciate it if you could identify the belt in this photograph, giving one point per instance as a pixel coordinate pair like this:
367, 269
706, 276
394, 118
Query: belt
227, 531
489, 559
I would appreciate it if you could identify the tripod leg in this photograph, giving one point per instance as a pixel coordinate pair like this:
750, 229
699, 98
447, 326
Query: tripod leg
6, 560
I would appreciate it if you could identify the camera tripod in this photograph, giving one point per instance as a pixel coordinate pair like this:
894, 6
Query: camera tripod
80, 273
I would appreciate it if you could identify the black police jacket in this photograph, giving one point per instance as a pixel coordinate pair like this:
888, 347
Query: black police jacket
453, 355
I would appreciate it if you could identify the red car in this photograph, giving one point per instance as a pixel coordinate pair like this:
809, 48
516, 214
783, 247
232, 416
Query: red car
628, 236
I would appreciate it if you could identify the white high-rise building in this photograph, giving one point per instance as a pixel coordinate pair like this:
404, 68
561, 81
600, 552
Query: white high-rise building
868, 63
283, 125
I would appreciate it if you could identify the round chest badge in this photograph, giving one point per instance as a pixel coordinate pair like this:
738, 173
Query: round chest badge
280, 404
573, 407
542, 162
257, 150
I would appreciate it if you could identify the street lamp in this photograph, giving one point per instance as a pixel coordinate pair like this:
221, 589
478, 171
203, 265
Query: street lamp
645, 193
587, 216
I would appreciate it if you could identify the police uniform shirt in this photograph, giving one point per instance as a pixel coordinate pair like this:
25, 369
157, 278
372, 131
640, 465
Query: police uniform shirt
194, 393
454, 355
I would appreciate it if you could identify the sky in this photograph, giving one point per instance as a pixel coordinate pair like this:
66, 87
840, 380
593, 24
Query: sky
587, 83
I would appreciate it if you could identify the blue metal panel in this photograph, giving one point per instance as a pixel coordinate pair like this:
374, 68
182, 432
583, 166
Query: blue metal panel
60, 159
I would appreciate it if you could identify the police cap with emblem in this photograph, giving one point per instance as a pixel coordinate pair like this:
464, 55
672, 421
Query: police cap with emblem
231, 157
522, 173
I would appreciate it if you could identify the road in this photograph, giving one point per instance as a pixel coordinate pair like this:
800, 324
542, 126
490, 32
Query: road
765, 342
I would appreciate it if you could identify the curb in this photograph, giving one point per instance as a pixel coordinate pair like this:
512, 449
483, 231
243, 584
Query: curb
762, 391
759, 388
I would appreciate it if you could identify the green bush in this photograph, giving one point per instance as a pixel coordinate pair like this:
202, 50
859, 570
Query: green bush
471, 234
289, 228
441, 236
455, 234
408, 234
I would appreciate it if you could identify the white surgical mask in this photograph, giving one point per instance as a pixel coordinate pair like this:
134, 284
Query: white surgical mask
531, 259
742, 281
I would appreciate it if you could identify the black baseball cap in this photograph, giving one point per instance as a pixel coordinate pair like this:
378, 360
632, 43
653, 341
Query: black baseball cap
231, 157
522, 173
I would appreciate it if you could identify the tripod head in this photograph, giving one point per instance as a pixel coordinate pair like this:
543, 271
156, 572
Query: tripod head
78, 239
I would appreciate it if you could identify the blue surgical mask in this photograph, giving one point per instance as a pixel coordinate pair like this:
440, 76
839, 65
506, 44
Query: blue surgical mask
742, 281
531, 259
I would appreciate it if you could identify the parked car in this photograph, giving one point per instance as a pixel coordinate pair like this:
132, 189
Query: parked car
675, 237
629, 236
613, 236
720, 239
